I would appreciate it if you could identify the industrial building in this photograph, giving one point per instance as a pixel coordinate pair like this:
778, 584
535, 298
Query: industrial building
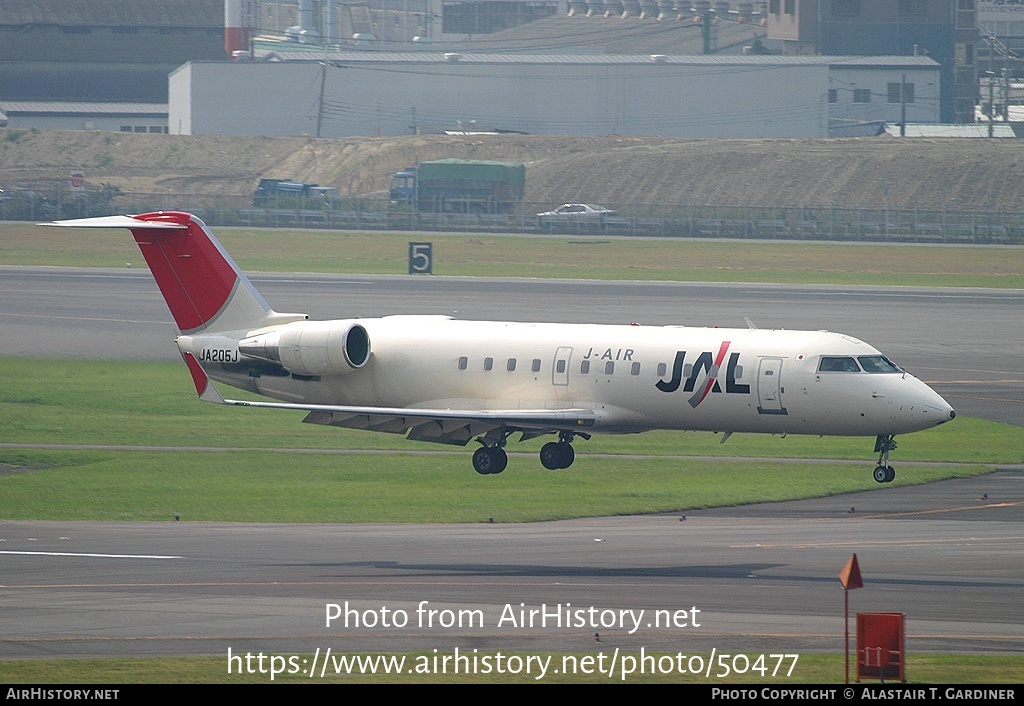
64, 115
116, 51
945, 30
370, 93
1001, 26
391, 22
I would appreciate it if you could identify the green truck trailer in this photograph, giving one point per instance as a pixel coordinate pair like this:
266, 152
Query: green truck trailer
460, 186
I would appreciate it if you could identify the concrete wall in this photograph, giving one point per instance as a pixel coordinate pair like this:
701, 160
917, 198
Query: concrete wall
925, 108
641, 98
78, 122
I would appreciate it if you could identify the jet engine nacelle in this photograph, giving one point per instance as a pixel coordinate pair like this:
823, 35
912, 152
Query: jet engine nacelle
312, 347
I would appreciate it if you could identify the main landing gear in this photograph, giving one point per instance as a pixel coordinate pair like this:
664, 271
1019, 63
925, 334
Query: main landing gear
488, 460
491, 458
884, 473
558, 454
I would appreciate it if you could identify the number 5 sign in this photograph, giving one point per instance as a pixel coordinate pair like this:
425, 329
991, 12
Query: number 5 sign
421, 258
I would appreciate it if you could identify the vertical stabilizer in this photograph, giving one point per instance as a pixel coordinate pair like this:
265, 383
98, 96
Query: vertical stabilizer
203, 287
201, 284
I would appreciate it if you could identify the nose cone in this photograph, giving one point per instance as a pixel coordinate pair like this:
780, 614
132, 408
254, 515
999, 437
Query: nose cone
922, 406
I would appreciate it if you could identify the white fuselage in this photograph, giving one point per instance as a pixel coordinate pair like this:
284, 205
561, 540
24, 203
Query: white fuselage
635, 378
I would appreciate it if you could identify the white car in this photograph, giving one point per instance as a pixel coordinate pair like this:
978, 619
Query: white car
577, 216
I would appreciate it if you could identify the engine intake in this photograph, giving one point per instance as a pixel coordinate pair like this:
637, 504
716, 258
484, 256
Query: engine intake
312, 347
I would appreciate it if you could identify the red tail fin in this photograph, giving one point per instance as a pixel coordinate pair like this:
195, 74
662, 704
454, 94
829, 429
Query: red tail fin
202, 285
195, 275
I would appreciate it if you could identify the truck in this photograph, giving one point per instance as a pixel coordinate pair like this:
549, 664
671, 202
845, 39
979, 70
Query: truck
286, 193
460, 186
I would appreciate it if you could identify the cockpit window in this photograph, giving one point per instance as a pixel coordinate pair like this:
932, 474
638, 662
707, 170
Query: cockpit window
838, 364
878, 364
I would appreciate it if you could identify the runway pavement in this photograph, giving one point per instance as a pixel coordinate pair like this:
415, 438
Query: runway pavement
763, 578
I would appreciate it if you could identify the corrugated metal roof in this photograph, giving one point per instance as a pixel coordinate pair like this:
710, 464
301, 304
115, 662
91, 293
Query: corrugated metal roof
113, 13
366, 57
966, 130
909, 61
582, 34
85, 109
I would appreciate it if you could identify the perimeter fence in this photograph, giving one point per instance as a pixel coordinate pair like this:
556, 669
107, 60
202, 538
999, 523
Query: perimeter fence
758, 222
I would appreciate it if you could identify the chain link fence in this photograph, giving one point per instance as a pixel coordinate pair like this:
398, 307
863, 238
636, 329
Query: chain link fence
793, 223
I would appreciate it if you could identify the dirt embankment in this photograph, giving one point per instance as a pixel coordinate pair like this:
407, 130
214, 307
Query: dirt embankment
930, 174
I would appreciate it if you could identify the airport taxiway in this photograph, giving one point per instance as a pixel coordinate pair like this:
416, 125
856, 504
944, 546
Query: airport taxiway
764, 578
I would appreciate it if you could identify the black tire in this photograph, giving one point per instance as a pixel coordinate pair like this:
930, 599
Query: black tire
500, 460
881, 474
568, 455
551, 456
890, 474
556, 455
489, 460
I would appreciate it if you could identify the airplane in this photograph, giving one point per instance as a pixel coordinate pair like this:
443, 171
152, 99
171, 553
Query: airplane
439, 379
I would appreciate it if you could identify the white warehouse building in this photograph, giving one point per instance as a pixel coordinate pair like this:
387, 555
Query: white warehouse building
395, 93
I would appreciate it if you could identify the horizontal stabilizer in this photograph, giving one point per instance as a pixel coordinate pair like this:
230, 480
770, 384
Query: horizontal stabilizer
116, 222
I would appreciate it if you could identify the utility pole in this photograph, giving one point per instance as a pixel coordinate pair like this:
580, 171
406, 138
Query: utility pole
991, 105
1006, 94
903, 105
323, 81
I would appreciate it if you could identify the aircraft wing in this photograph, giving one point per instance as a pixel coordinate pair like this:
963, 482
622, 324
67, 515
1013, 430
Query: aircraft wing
445, 426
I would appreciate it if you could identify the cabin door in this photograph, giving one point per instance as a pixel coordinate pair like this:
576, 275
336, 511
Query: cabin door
769, 386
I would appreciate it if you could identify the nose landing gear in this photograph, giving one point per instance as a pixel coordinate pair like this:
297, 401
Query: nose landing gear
884, 473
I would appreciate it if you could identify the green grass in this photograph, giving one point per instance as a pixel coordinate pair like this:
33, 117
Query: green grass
71, 401
251, 486
810, 669
153, 404
556, 257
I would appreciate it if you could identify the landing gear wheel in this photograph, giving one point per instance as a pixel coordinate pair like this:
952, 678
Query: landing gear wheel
551, 456
568, 455
884, 473
489, 460
557, 454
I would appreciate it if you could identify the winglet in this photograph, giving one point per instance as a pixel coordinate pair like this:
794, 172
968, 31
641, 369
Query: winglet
204, 386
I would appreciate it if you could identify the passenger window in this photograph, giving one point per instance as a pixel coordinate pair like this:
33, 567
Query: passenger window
511, 364
838, 364
536, 365
585, 367
634, 369
560, 366
662, 369
488, 363
609, 368
463, 363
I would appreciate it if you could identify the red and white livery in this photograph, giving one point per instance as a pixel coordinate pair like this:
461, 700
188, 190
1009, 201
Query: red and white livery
435, 378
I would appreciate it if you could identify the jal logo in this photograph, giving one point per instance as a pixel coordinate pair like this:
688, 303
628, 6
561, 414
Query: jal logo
709, 366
